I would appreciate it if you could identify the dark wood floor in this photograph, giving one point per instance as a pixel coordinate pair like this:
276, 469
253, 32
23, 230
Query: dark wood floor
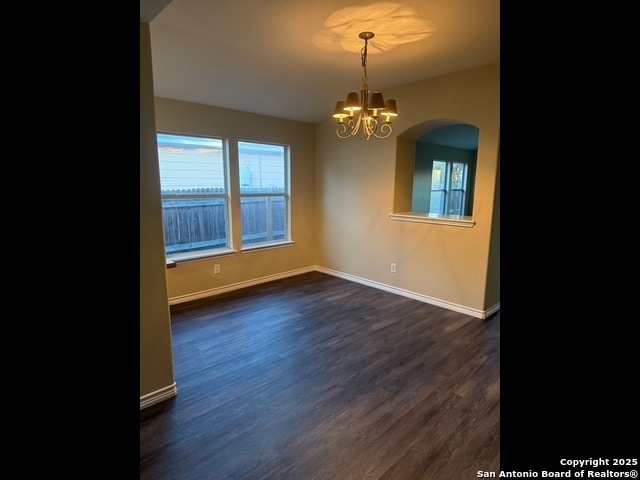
314, 377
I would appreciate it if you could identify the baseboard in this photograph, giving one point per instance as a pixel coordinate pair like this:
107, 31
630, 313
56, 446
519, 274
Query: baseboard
237, 286
399, 291
416, 296
158, 396
491, 310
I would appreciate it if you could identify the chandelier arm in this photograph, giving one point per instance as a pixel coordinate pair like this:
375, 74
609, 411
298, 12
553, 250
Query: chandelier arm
341, 131
385, 131
370, 126
354, 124
349, 128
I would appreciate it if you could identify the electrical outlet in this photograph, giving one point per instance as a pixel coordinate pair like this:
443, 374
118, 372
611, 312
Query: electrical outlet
216, 268
393, 268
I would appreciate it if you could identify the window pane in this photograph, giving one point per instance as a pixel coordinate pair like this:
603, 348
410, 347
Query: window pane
457, 176
194, 204
262, 166
438, 175
263, 218
455, 206
192, 224
188, 163
436, 204
263, 192
438, 194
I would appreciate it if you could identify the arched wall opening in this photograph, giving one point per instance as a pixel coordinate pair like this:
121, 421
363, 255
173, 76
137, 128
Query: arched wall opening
435, 169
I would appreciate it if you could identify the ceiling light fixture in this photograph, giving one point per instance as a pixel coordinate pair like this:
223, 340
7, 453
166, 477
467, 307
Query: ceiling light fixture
369, 109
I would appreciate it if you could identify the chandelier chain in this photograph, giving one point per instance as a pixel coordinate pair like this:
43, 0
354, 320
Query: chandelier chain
363, 56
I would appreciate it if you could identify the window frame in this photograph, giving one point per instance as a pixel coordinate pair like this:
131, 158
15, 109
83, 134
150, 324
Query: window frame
225, 196
232, 197
286, 193
448, 189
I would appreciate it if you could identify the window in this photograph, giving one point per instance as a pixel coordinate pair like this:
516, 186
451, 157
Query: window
195, 207
196, 199
264, 192
448, 188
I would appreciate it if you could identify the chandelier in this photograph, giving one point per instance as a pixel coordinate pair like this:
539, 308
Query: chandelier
369, 111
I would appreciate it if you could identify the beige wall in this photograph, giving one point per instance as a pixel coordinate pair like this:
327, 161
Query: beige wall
156, 357
356, 190
194, 279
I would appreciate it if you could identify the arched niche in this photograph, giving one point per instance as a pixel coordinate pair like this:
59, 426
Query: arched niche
423, 152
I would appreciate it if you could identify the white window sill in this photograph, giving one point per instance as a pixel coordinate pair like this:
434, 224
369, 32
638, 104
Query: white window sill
262, 246
452, 220
185, 257
173, 260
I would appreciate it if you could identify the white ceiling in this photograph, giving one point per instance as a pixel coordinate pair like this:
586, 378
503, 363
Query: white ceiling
294, 59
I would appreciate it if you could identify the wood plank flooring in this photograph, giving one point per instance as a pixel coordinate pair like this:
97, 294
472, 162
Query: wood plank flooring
314, 377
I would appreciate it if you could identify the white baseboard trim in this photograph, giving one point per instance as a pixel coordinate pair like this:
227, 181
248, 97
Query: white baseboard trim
399, 291
236, 286
416, 296
492, 310
158, 396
